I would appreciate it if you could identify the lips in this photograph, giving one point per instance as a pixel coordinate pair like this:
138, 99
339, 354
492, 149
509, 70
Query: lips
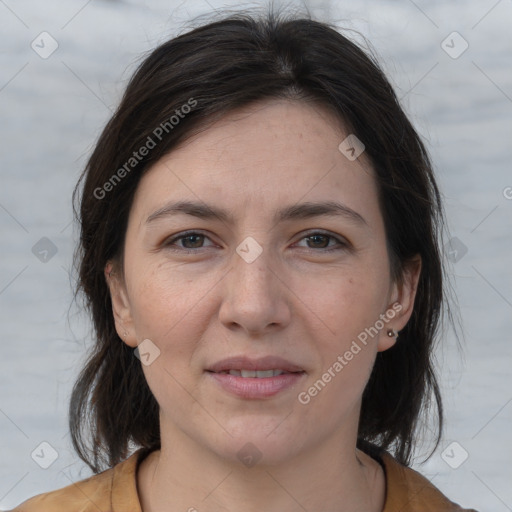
255, 379
242, 366
261, 374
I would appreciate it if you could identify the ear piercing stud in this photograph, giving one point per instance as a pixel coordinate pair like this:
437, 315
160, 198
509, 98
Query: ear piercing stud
392, 333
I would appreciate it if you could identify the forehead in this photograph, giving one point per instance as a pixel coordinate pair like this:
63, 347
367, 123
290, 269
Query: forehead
259, 157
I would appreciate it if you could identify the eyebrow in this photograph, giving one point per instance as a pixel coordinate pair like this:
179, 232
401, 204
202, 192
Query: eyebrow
300, 211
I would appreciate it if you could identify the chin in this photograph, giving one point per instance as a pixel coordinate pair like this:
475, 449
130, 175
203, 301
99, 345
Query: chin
259, 441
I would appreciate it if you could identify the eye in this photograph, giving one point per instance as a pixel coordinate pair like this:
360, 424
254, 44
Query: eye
321, 240
190, 240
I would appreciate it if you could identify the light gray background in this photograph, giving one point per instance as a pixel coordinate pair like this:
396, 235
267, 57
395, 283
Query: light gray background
53, 109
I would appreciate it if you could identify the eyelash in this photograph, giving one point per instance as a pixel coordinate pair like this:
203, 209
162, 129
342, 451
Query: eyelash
341, 245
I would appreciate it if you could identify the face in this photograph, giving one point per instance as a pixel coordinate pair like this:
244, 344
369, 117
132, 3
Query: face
255, 272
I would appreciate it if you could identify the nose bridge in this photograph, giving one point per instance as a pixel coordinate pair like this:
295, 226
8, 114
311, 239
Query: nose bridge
253, 296
252, 266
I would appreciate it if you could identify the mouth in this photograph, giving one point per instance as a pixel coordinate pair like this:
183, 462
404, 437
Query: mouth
243, 366
255, 378
258, 374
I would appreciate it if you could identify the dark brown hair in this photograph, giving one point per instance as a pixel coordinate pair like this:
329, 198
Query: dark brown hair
219, 67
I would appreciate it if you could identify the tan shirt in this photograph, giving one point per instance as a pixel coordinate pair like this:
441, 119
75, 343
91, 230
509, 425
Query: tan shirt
115, 490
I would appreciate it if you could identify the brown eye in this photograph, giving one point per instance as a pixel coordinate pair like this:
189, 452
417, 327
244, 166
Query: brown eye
195, 241
324, 241
319, 241
187, 242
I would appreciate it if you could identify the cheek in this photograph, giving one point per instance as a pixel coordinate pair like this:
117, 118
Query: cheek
345, 301
161, 296
167, 310
172, 309
154, 304
348, 307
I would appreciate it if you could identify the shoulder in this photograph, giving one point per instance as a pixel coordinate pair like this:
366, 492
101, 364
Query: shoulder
103, 491
406, 489
87, 495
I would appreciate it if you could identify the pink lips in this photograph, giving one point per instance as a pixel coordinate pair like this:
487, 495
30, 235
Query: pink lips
255, 387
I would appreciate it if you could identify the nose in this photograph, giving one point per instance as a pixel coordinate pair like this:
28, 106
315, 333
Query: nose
255, 299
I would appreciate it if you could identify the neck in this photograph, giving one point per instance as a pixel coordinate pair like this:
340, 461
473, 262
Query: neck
186, 477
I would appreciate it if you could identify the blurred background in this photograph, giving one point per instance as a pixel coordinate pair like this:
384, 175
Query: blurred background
63, 68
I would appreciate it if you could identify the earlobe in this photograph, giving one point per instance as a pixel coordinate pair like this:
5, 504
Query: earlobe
385, 344
120, 305
404, 294
388, 338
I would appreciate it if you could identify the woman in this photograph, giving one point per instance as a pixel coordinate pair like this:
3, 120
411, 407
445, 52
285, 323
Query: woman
259, 251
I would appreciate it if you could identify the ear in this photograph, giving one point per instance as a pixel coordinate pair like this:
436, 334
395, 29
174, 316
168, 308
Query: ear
401, 306
120, 304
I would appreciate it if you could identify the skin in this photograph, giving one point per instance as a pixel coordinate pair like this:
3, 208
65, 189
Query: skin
295, 300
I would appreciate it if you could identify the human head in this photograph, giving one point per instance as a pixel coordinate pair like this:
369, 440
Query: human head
215, 70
